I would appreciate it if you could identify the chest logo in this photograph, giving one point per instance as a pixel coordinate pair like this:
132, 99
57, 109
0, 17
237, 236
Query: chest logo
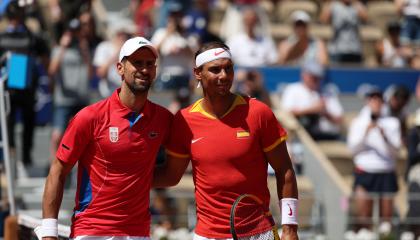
153, 135
113, 134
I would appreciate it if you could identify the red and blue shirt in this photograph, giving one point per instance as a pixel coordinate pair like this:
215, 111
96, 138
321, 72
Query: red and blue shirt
116, 152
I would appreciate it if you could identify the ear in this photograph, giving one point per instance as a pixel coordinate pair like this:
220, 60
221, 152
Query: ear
120, 68
197, 73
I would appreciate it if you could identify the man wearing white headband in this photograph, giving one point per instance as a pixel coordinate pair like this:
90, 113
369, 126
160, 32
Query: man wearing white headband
230, 140
115, 143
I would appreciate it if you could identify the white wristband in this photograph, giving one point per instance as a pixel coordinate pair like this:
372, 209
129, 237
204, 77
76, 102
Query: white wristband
49, 227
289, 213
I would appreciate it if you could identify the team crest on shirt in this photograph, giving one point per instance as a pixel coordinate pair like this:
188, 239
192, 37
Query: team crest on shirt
113, 134
242, 134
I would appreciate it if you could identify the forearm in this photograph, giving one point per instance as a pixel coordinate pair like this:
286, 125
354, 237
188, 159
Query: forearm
163, 178
53, 195
56, 62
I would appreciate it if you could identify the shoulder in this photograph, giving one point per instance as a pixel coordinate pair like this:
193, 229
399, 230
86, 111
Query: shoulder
256, 106
93, 111
294, 87
161, 111
390, 122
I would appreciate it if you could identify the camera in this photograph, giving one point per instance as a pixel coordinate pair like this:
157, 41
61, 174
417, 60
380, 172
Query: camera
74, 25
374, 117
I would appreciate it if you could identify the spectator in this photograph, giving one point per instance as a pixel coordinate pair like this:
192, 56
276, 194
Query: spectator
143, 16
71, 71
106, 58
165, 7
410, 11
17, 38
232, 22
390, 52
317, 108
196, 23
252, 85
300, 46
251, 48
372, 141
396, 99
413, 176
345, 17
63, 11
175, 58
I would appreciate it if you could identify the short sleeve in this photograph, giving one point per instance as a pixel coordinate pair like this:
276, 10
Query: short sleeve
179, 143
272, 133
76, 137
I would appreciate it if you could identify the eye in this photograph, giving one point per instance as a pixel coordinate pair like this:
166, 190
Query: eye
214, 69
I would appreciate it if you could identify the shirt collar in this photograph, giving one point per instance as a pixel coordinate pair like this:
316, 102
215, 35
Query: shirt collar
122, 111
197, 107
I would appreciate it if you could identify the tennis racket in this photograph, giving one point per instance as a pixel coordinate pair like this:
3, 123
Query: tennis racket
249, 218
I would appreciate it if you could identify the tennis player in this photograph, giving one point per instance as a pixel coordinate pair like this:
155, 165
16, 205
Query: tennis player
115, 143
230, 141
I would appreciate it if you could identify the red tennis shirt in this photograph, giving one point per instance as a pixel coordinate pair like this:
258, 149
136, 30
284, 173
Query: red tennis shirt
227, 157
116, 150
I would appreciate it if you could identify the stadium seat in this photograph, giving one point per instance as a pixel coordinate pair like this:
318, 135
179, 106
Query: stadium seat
285, 8
381, 12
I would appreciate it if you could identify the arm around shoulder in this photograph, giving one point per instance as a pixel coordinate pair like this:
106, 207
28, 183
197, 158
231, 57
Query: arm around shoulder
171, 172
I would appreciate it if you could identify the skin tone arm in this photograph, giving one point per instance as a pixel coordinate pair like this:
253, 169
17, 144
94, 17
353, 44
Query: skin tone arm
171, 172
399, 4
54, 187
361, 10
325, 16
279, 160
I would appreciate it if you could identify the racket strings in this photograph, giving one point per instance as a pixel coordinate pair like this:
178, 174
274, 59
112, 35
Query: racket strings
252, 219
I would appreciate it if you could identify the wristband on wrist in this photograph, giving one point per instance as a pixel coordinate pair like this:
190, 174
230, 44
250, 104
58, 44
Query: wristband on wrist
49, 227
289, 211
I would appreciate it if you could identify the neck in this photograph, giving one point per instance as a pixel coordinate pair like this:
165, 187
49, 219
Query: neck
131, 100
218, 106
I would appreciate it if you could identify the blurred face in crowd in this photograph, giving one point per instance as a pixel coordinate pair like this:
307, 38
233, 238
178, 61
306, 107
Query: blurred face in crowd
216, 77
301, 29
311, 81
87, 25
250, 19
138, 70
375, 103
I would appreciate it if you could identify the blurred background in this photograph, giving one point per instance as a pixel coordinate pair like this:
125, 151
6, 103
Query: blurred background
317, 63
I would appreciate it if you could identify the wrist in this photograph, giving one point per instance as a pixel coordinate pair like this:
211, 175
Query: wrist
48, 228
289, 211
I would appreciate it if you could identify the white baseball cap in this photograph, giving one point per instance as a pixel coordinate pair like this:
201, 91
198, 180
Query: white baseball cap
300, 15
133, 44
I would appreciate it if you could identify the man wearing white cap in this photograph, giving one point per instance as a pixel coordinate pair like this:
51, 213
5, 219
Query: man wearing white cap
115, 142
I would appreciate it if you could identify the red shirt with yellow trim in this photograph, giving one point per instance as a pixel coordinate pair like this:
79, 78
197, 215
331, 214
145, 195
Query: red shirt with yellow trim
116, 151
227, 157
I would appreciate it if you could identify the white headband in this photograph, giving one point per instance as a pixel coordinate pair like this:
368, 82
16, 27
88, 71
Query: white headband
211, 55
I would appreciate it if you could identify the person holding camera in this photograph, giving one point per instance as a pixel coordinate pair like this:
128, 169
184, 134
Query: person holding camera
374, 141
17, 38
70, 71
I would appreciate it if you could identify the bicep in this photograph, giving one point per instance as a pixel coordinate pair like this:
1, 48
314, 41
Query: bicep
279, 158
177, 165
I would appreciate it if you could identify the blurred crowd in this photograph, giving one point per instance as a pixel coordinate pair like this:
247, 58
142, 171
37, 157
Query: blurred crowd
78, 54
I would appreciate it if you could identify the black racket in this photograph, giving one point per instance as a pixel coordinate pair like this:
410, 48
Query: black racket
249, 217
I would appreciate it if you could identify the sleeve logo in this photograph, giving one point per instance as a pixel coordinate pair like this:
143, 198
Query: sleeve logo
113, 134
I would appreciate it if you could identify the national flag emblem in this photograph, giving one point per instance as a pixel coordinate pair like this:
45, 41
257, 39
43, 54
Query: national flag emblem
113, 134
242, 134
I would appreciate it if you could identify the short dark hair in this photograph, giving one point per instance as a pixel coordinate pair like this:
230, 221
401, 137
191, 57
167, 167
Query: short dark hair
14, 11
211, 45
402, 93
